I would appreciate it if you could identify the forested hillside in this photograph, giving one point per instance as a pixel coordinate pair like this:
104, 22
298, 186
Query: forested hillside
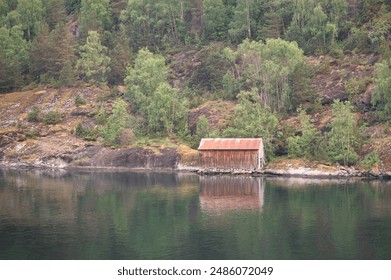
311, 77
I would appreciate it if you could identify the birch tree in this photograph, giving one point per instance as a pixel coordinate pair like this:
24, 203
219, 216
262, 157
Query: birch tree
342, 138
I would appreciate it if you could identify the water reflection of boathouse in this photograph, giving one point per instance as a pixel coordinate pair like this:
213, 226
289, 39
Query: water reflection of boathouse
222, 193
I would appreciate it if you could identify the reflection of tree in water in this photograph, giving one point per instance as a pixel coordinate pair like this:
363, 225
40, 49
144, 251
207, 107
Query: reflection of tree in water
128, 215
224, 193
82, 214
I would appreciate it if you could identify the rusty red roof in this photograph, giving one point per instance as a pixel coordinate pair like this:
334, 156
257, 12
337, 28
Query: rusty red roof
230, 144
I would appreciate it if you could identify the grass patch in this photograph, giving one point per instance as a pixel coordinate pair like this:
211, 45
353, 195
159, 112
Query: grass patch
146, 142
52, 117
31, 133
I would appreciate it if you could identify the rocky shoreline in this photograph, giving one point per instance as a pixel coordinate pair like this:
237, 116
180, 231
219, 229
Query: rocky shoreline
298, 172
130, 160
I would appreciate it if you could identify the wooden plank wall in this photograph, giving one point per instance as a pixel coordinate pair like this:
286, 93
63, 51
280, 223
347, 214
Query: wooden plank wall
246, 159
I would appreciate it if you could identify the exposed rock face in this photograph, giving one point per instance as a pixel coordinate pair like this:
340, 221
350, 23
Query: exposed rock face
58, 151
217, 113
333, 74
36, 144
137, 157
92, 156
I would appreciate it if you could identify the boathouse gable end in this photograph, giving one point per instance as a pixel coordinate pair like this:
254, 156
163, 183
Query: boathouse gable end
232, 153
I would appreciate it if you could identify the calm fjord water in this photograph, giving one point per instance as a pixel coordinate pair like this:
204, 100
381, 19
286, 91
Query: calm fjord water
144, 215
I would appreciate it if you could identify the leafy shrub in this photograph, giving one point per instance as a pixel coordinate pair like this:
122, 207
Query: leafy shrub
79, 130
342, 138
33, 116
52, 117
79, 100
202, 131
381, 98
90, 134
101, 116
294, 147
209, 74
370, 160
116, 123
307, 144
355, 87
85, 133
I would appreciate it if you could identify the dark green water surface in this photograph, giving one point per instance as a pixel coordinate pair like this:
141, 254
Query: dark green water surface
140, 215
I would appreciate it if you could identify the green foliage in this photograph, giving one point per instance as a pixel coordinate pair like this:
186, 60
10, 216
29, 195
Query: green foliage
101, 116
202, 128
144, 77
370, 160
166, 113
13, 57
52, 117
55, 12
31, 14
342, 138
252, 119
209, 75
79, 100
355, 87
72, 6
95, 15
335, 27
120, 57
33, 116
317, 24
67, 75
79, 130
307, 144
216, 19
381, 98
269, 68
51, 52
94, 62
116, 123
202, 131
379, 29
156, 23
242, 22
85, 133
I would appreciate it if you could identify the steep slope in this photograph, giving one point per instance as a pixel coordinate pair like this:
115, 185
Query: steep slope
35, 143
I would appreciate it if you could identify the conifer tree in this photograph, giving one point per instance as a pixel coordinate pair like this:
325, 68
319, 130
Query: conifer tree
72, 6
55, 13
94, 62
121, 56
50, 51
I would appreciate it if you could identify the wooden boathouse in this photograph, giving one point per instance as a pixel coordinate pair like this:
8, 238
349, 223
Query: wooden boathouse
232, 153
